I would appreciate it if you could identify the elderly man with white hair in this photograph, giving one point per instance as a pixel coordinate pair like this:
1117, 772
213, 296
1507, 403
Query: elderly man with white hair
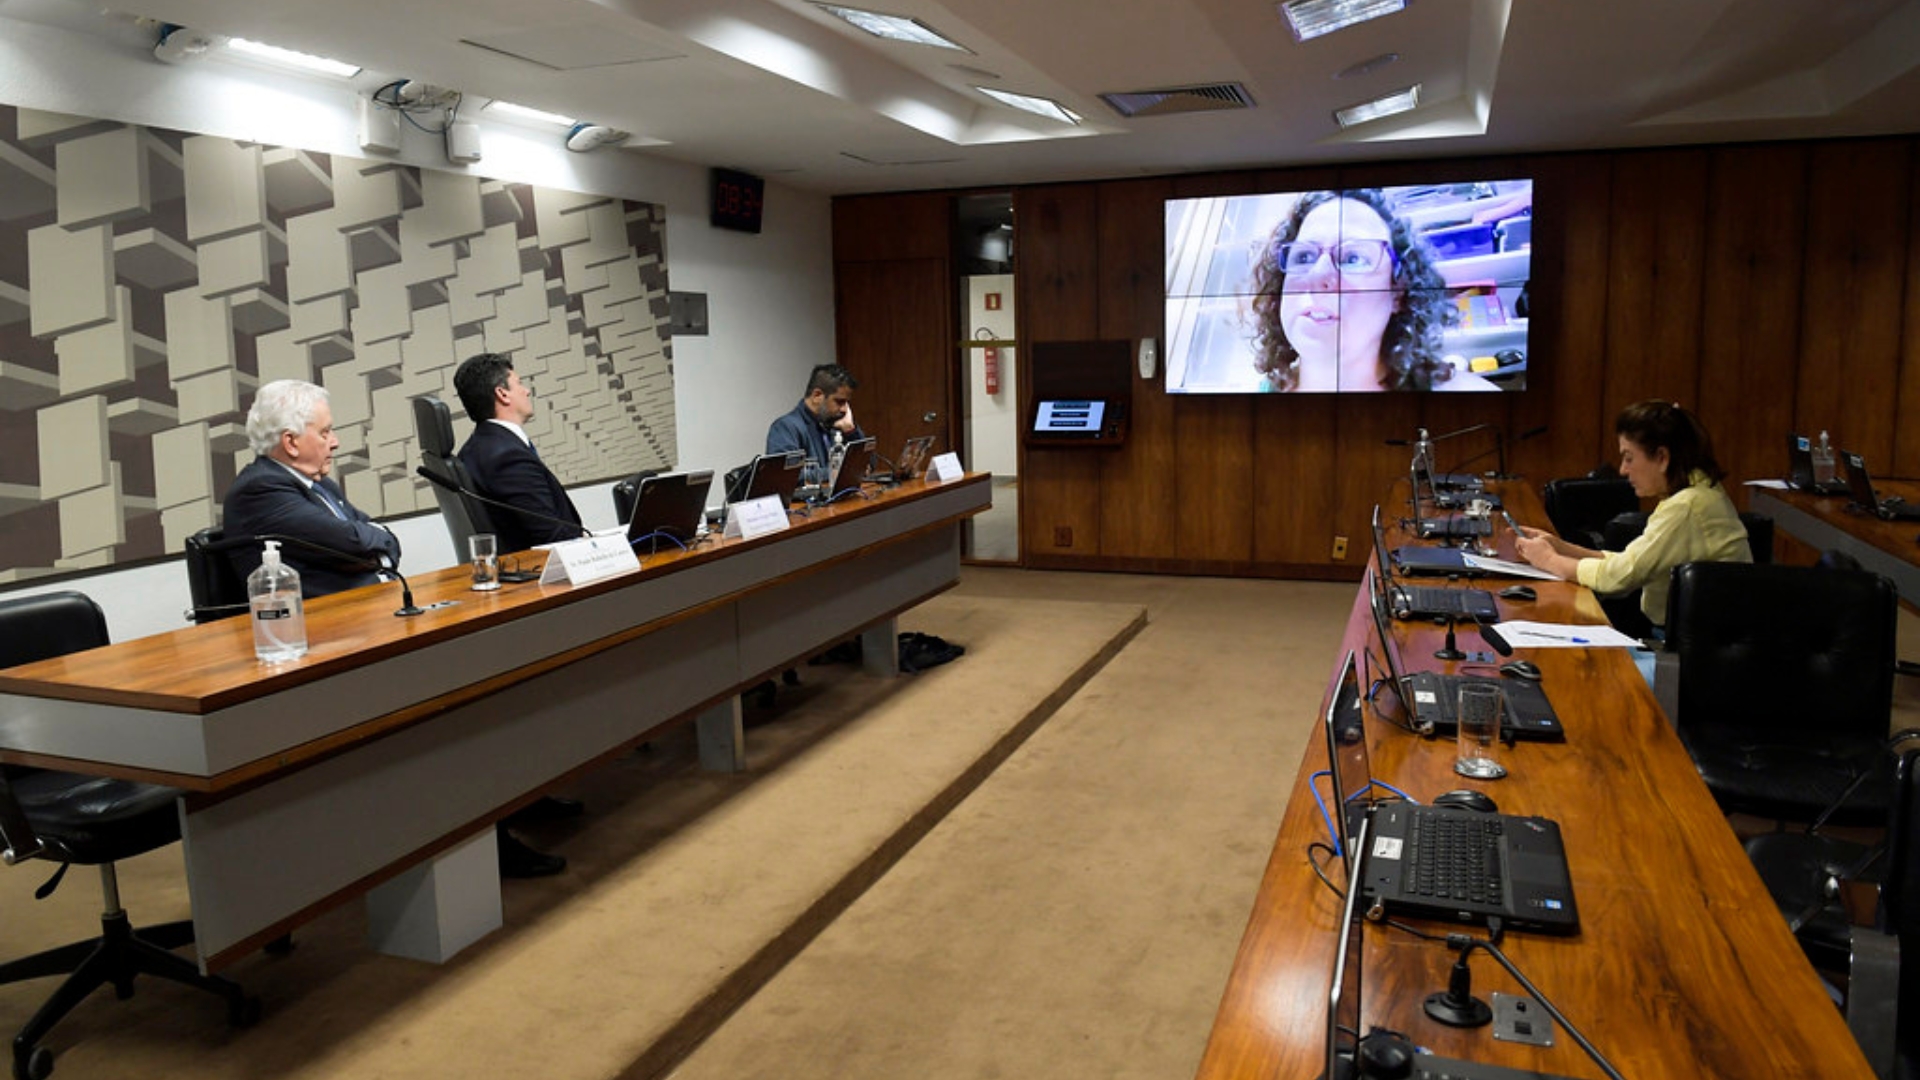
286, 492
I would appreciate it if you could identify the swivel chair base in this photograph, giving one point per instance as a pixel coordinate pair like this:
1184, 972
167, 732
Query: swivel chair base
115, 957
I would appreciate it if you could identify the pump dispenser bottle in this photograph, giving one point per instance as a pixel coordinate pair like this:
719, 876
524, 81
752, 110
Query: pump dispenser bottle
279, 621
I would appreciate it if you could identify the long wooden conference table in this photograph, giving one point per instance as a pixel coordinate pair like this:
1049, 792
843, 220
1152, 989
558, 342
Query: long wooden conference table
1827, 522
1682, 968
395, 742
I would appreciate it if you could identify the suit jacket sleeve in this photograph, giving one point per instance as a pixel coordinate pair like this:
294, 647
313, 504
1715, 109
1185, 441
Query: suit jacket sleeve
281, 504
505, 469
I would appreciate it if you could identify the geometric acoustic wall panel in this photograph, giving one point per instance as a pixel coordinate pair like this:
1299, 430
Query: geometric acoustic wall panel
151, 280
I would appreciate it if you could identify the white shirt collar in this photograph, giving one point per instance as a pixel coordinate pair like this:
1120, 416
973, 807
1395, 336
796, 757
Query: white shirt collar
513, 427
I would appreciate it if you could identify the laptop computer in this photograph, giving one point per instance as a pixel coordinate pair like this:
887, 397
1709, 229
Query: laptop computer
855, 464
1800, 468
1507, 866
1428, 698
1860, 489
1427, 601
906, 465
669, 507
1344, 1013
1447, 526
773, 474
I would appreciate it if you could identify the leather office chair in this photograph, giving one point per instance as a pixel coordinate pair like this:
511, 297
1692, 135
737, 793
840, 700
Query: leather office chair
215, 586
464, 516
1883, 995
1785, 685
69, 818
1579, 507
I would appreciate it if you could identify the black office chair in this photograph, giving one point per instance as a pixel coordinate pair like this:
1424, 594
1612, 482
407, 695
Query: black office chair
1785, 685
464, 516
215, 586
1882, 994
68, 818
1579, 507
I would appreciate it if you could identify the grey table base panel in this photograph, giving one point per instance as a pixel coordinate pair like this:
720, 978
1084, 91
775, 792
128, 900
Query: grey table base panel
208, 745
264, 855
1905, 573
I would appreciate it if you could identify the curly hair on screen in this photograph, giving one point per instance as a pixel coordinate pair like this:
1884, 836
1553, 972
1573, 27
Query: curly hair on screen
1410, 347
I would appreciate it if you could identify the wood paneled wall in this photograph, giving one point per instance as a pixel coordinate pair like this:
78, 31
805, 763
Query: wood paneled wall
1770, 287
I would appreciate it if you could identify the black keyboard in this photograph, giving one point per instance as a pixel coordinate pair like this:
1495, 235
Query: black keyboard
1430, 600
1455, 526
1455, 856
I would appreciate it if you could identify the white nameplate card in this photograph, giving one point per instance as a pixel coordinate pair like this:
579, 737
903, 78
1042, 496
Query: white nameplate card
945, 467
756, 518
588, 559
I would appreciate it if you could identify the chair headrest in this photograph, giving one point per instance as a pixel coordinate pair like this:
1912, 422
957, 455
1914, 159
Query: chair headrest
49, 624
434, 425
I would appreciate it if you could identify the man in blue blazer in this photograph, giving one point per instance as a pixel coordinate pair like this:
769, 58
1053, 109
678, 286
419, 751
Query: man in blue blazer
286, 491
501, 459
826, 407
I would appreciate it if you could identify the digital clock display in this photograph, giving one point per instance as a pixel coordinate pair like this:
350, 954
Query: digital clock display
737, 198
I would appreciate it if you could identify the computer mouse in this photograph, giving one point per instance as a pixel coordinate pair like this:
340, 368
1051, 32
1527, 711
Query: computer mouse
1519, 592
1521, 669
1466, 800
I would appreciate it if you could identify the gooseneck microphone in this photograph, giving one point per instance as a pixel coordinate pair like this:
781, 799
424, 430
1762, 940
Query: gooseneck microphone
407, 606
442, 481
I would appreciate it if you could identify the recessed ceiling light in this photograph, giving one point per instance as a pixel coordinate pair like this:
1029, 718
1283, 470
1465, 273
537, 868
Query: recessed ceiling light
288, 58
892, 27
1039, 106
1314, 18
1386, 105
522, 112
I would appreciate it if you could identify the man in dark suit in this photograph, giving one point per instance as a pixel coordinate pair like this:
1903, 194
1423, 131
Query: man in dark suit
504, 466
502, 461
286, 492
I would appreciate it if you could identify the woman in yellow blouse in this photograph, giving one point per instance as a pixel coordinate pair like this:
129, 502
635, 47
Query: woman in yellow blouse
1666, 454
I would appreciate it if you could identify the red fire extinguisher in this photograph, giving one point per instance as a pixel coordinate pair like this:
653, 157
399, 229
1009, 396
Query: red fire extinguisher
991, 356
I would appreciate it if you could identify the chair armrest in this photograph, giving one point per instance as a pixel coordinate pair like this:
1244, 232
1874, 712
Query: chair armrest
16, 833
1873, 984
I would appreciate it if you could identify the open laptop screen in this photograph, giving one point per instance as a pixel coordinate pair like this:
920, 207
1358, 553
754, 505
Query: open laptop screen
670, 504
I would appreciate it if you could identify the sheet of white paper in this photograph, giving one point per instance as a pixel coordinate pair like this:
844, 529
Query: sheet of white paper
1491, 565
1523, 634
1776, 485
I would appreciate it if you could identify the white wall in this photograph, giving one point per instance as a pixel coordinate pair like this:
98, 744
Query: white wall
770, 296
993, 420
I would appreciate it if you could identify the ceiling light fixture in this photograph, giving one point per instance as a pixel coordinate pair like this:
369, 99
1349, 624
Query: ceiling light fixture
1316, 18
1386, 105
522, 112
1039, 106
274, 54
893, 27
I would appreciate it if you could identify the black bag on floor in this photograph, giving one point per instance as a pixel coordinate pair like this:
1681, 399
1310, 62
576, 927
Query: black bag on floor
918, 652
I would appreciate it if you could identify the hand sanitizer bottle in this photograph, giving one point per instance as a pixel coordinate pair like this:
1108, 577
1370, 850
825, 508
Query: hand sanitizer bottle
1823, 463
279, 622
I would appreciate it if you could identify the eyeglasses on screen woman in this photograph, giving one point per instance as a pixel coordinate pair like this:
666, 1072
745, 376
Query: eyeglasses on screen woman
1346, 257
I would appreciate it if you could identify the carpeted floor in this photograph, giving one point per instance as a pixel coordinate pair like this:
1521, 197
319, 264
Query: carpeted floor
1148, 813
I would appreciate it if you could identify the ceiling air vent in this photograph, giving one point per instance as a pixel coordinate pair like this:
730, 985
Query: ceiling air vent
1180, 99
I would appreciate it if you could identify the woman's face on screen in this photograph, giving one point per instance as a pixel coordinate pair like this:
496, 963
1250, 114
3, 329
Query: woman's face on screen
1334, 314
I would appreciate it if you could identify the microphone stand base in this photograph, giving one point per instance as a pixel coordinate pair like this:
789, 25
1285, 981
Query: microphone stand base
1468, 1014
1449, 654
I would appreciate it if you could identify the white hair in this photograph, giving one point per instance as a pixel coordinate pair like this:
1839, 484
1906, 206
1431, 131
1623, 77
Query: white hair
281, 406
